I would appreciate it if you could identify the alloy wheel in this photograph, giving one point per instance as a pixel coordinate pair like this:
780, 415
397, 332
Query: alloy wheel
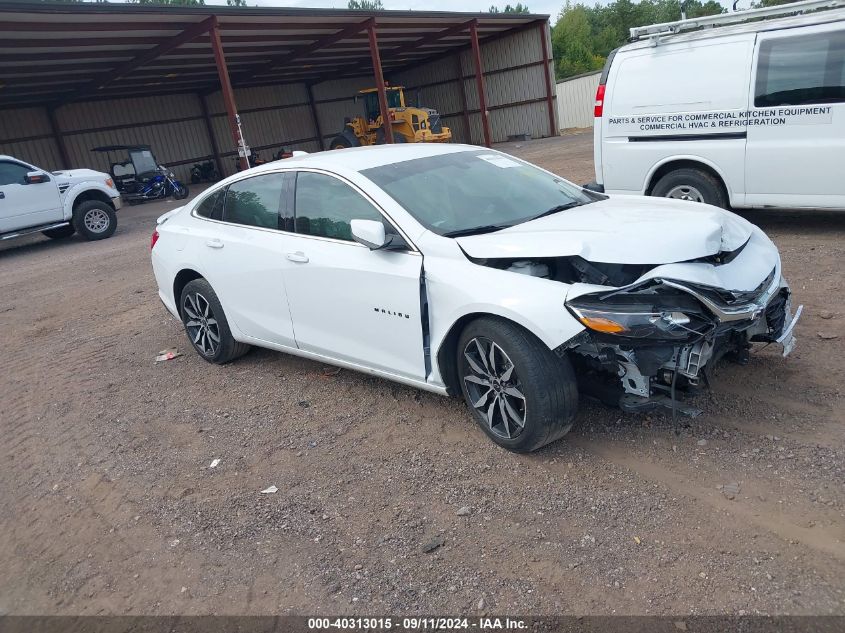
96, 220
201, 324
493, 387
685, 192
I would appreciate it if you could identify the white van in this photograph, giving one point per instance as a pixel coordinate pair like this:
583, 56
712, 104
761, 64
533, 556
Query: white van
741, 112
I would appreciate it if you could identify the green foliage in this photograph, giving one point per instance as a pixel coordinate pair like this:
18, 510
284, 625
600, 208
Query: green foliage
365, 5
236, 3
583, 36
519, 8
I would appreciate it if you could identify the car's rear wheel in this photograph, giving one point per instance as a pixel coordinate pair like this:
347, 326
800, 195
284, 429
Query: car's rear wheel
206, 324
520, 393
94, 220
694, 185
59, 233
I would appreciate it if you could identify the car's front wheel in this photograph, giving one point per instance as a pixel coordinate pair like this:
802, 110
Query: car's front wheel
206, 325
520, 392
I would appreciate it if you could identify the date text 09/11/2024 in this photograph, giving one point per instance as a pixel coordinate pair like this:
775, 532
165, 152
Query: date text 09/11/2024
417, 623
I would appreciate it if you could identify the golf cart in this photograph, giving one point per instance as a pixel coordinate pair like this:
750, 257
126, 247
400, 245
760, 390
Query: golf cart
138, 176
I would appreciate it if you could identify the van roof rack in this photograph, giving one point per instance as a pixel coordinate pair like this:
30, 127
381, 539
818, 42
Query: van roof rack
672, 28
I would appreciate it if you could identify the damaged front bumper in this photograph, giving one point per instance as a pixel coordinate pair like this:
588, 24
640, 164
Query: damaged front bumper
642, 374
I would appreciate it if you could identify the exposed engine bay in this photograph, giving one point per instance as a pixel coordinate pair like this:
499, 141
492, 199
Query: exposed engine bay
649, 340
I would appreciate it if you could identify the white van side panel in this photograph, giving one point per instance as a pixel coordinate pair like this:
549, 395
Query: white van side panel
656, 96
800, 163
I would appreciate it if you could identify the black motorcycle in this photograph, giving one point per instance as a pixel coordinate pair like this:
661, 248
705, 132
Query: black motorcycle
204, 172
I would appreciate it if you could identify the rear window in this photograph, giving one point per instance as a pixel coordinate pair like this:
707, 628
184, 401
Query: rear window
801, 70
212, 206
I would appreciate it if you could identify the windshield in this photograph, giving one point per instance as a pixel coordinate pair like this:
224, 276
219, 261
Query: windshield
462, 193
143, 161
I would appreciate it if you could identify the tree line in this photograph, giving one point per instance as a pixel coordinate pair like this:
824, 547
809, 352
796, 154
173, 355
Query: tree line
583, 35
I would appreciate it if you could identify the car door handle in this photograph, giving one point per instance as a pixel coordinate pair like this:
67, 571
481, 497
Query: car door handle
298, 256
2, 195
215, 243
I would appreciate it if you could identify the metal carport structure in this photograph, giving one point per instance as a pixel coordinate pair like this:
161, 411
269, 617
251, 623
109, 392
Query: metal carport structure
62, 59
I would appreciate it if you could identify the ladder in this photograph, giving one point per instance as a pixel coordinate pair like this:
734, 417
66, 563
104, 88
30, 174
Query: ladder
671, 28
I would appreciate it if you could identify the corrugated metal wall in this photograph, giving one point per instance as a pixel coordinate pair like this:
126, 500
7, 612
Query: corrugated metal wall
277, 116
35, 144
575, 100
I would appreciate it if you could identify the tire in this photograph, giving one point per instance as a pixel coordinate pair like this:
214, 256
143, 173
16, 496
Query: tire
199, 306
60, 233
181, 192
344, 140
94, 220
546, 394
691, 184
397, 137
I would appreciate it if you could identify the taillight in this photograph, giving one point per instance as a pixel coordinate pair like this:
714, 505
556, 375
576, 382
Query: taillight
599, 107
154, 239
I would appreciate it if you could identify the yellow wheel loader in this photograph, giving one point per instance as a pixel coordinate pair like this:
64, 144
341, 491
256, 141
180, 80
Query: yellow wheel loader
410, 124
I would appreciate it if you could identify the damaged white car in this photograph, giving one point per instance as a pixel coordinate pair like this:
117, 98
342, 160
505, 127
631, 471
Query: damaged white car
462, 270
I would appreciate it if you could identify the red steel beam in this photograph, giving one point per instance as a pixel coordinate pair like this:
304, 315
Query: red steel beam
550, 102
479, 83
300, 52
382, 94
147, 56
226, 88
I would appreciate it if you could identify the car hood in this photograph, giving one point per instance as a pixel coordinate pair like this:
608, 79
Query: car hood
72, 176
619, 230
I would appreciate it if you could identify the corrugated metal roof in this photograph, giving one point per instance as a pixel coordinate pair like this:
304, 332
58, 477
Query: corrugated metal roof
57, 53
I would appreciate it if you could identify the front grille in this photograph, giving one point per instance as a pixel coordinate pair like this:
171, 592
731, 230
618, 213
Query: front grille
435, 124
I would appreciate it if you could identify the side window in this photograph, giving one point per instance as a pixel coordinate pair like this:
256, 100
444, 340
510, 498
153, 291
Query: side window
212, 206
325, 206
254, 201
13, 173
801, 70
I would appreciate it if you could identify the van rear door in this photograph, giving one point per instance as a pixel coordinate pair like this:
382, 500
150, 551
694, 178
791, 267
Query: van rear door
795, 145
598, 113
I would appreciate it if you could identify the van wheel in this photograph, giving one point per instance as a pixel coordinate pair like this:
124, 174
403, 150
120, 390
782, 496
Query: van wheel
520, 393
691, 184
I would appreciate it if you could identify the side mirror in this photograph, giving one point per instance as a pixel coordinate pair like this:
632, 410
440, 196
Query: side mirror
36, 177
370, 233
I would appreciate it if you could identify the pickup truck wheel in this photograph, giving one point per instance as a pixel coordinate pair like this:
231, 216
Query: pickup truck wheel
94, 220
59, 233
206, 324
520, 393
691, 184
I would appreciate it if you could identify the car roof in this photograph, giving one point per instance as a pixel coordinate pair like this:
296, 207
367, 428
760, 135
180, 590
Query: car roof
755, 26
361, 158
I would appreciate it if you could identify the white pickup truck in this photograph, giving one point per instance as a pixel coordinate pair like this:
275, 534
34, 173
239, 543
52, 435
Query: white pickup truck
57, 204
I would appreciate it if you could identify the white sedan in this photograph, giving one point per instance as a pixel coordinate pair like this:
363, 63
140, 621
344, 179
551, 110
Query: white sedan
462, 270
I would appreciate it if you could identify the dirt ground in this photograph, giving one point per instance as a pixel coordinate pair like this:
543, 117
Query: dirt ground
110, 506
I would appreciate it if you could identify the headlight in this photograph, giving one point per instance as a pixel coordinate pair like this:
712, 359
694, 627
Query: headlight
645, 314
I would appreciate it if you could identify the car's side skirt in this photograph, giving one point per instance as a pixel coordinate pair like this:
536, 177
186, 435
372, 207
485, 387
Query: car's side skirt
412, 382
